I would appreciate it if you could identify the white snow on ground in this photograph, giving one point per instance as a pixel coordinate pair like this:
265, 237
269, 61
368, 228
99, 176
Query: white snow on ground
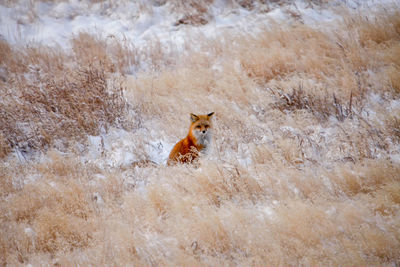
55, 23
117, 148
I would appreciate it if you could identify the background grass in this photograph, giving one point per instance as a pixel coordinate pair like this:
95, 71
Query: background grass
303, 169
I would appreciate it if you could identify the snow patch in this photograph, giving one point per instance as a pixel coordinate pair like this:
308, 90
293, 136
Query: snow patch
55, 23
121, 148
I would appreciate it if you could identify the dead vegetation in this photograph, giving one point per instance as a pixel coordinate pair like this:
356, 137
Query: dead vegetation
46, 100
195, 13
303, 169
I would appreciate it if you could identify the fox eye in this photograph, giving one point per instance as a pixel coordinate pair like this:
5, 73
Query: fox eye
207, 126
198, 127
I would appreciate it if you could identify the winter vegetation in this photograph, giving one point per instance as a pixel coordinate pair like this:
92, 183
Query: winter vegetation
305, 163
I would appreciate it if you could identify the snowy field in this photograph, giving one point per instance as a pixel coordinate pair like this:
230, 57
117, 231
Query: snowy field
305, 163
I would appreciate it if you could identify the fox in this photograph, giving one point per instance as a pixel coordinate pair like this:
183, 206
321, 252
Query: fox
198, 139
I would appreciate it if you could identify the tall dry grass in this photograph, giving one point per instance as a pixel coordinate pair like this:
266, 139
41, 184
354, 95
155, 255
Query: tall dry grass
48, 97
303, 168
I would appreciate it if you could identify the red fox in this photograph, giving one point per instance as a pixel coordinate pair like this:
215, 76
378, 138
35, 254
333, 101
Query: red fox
198, 138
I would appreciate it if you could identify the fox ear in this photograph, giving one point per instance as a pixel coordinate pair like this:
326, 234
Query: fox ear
193, 117
210, 114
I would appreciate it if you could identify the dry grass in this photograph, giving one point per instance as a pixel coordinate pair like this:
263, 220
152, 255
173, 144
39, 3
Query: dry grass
110, 54
193, 12
198, 216
45, 99
303, 169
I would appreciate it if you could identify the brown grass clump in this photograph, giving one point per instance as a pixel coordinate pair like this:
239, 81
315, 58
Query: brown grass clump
5, 50
393, 78
56, 103
56, 232
109, 54
284, 52
378, 30
194, 12
50, 214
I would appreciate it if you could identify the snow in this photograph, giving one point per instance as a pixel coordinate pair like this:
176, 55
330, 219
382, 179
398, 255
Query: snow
314, 16
56, 23
117, 149
268, 211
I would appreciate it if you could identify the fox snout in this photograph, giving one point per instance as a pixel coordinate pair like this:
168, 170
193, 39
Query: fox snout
203, 136
203, 133
202, 130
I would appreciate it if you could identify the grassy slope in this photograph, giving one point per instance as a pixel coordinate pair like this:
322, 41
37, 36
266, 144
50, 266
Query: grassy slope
319, 188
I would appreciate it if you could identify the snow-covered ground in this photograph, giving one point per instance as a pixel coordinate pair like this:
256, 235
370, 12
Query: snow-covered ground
53, 23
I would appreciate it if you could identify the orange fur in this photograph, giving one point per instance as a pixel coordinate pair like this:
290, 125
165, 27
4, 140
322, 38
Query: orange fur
199, 136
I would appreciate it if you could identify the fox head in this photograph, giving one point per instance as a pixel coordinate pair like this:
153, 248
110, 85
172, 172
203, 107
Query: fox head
201, 128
